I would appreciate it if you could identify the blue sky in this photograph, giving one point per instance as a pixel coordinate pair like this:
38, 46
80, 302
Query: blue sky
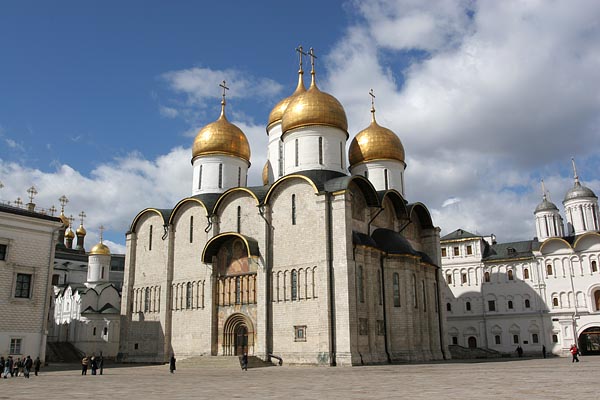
101, 100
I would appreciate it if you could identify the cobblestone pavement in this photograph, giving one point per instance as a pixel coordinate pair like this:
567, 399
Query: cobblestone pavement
554, 378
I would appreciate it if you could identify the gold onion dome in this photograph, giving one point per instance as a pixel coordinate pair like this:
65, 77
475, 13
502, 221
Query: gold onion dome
69, 234
100, 249
314, 107
277, 111
81, 231
265, 173
221, 137
64, 219
375, 143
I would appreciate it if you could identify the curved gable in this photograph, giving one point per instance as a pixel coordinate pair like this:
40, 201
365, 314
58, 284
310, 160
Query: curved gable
213, 245
285, 179
184, 202
341, 184
164, 214
553, 245
397, 201
421, 213
232, 191
587, 241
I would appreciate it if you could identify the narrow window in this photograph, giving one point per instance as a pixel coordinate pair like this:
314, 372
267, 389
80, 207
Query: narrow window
239, 219
555, 302
455, 340
549, 269
105, 331
367, 173
280, 158
150, 239
23, 287
341, 155
516, 339
527, 303
188, 296
486, 277
464, 278
534, 338
55, 279
294, 284
293, 209
102, 273
415, 297
3, 248
491, 305
200, 177
456, 251
220, 176
469, 250
94, 332
239, 176
497, 339
396, 290
360, 285
594, 266
554, 338
510, 275
321, 150
510, 305
238, 290
147, 300
526, 273
444, 254
468, 305
385, 177
296, 152
449, 279
448, 307
191, 229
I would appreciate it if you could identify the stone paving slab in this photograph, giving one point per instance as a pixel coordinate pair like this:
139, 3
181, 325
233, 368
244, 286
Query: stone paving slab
555, 378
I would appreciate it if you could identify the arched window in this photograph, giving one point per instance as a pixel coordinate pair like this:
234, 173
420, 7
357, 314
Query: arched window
597, 299
416, 298
238, 290
386, 178
527, 303
321, 150
526, 273
150, 239
486, 277
535, 338
280, 158
147, 300
239, 219
296, 152
191, 229
510, 305
497, 339
464, 277
468, 305
188, 296
367, 173
293, 209
220, 176
510, 275
516, 339
294, 284
549, 269
360, 285
341, 155
200, 177
555, 302
239, 176
448, 307
594, 266
449, 279
94, 331
105, 331
396, 290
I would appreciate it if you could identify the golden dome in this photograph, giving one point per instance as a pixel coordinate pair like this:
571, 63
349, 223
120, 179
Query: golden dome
375, 143
81, 231
221, 137
69, 234
265, 173
314, 107
277, 112
100, 249
64, 219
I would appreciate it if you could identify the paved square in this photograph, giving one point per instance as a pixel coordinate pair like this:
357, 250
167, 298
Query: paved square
555, 378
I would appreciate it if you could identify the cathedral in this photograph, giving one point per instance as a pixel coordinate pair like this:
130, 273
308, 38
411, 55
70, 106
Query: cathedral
326, 263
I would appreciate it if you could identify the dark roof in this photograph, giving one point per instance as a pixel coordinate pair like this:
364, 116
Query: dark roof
363, 239
460, 234
502, 251
21, 211
320, 176
342, 183
392, 242
209, 200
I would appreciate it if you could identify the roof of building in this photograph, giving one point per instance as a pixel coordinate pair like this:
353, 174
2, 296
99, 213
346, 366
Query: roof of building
460, 234
21, 211
510, 250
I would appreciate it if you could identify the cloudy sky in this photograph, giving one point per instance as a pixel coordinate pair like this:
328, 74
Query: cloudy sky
101, 100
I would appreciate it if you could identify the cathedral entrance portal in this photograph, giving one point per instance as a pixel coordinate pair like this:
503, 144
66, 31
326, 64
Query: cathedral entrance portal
238, 335
589, 341
472, 342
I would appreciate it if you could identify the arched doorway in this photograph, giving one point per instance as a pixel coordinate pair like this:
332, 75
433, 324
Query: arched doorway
589, 341
472, 341
238, 335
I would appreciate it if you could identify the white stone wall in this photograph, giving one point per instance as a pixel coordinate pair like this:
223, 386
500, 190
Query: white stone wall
377, 170
234, 173
582, 215
275, 152
333, 146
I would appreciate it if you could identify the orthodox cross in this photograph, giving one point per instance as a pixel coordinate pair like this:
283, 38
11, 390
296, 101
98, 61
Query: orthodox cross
63, 202
301, 52
311, 54
52, 210
32, 192
82, 216
18, 202
71, 219
101, 232
574, 170
543, 190
372, 94
224, 86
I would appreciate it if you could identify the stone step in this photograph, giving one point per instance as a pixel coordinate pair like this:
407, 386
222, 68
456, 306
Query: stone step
218, 362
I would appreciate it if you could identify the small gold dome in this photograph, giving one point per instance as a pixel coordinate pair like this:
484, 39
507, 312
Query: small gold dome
221, 137
265, 173
100, 249
314, 107
375, 143
81, 231
69, 234
64, 219
277, 112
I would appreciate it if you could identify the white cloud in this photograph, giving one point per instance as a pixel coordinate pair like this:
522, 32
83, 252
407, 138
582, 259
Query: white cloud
168, 112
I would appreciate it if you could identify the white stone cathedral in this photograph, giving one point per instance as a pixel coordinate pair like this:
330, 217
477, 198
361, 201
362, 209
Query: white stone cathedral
317, 266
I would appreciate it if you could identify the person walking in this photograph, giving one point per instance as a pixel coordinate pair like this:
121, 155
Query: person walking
101, 363
27, 364
36, 366
94, 365
17, 366
575, 353
543, 351
8, 365
84, 365
172, 361
245, 362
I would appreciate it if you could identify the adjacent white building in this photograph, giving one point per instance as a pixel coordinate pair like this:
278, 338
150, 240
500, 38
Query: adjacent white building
534, 293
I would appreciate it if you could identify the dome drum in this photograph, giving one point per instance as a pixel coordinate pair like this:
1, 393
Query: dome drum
216, 173
315, 148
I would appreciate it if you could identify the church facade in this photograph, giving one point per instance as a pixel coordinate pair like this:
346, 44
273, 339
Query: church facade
538, 294
316, 266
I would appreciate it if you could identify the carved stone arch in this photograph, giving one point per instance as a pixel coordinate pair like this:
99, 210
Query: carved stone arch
238, 335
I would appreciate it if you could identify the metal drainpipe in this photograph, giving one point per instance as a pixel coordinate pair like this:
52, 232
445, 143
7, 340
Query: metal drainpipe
329, 234
385, 331
439, 305
269, 305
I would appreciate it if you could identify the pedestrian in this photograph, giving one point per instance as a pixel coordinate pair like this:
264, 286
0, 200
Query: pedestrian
8, 365
36, 365
544, 351
94, 365
101, 364
17, 365
520, 351
27, 364
172, 361
574, 352
245, 362
84, 365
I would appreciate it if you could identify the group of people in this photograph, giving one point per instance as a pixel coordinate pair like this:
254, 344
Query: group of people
12, 367
94, 363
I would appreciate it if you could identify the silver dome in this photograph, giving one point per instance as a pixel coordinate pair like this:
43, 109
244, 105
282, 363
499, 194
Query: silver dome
546, 205
579, 191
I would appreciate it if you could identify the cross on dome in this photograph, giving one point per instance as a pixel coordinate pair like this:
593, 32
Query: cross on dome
301, 52
101, 232
63, 202
574, 171
311, 54
82, 215
32, 192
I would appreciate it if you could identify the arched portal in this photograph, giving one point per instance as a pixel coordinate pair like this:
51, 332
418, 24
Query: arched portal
589, 341
238, 335
472, 342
